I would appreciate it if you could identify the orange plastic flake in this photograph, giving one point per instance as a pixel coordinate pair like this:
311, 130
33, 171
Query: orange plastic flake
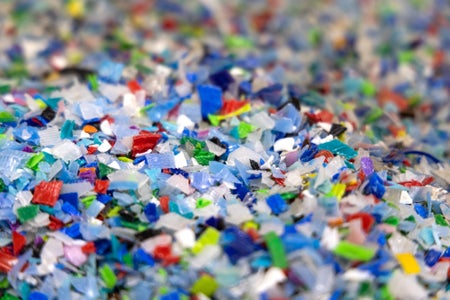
89, 129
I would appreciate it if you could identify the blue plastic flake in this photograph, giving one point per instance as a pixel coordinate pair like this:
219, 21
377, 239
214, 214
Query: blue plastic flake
111, 71
37, 296
71, 198
151, 212
236, 244
277, 204
142, 257
160, 160
421, 210
73, 231
222, 79
375, 186
210, 99
432, 257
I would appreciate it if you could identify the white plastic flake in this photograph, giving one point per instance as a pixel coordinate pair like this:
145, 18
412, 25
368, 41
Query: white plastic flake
185, 237
66, 150
104, 147
286, 144
238, 214
173, 221
272, 277
405, 198
49, 136
180, 182
404, 286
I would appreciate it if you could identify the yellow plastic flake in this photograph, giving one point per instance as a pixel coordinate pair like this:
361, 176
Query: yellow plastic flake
41, 103
75, 8
338, 190
125, 159
209, 237
215, 119
249, 224
113, 212
408, 263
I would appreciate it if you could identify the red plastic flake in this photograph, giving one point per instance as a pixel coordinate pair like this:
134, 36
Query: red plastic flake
367, 220
144, 141
47, 193
327, 154
279, 181
92, 149
7, 261
232, 105
322, 116
134, 86
19, 242
253, 233
171, 260
55, 223
88, 248
387, 96
164, 203
162, 251
101, 186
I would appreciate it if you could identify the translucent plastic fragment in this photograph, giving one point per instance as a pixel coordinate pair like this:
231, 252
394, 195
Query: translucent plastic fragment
66, 150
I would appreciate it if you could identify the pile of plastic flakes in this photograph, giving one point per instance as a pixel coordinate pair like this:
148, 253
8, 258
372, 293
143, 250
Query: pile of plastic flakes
224, 149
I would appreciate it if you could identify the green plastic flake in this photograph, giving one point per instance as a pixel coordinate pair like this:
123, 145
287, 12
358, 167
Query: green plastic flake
384, 293
147, 107
411, 219
6, 117
338, 147
34, 161
289, 196
5, 89
27, 213
374, 115
244, 129
67, 129
440, 220
354, 252
368, 89
93, 82
128, 259
4, 283
196, 143
365, 289
8, 296
263, 191
108, 276
2, 185
205, 285
87, 201
314, 36
104, 170
276, 250
203, 157
238, 42
392, 220
405, 56
210, 236
202, 202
